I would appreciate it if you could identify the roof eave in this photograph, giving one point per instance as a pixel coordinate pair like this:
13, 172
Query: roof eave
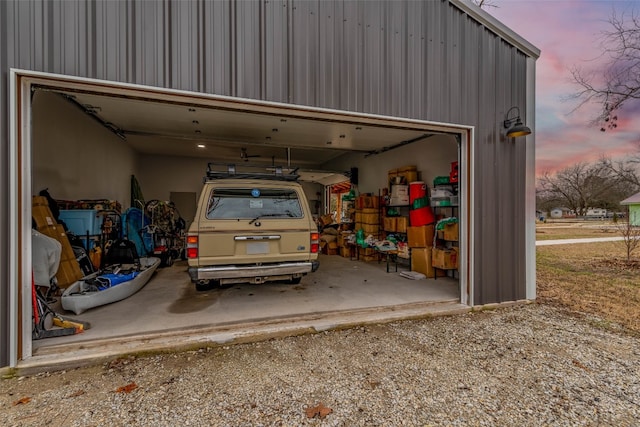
497, 27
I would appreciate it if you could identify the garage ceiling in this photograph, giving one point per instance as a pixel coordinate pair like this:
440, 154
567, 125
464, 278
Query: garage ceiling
219, 134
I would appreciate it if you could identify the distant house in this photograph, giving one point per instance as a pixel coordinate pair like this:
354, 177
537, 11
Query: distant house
562, 213
633, 203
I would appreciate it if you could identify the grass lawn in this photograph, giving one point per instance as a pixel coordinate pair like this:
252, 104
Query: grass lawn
592, 279
575, 231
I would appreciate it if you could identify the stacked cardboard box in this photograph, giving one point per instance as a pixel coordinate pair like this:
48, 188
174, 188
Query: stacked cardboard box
69, 269
395, 224
368, 220
420, 240
367, 201
403, 175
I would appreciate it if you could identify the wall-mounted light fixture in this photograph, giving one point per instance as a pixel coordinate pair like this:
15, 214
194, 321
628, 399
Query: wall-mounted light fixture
518, 128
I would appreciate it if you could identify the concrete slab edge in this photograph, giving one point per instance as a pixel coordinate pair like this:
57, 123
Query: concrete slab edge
158, 344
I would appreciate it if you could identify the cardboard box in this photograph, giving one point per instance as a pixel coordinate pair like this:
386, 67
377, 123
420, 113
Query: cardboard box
57, 232
421, 262
346, 252
403, 175
402, 222
399, 200
445, 258
41, 213
451, 232
389, 223
333, 245
368, 216
326, 219
420, 237
368, 228
68, 273
399, 190
367, 201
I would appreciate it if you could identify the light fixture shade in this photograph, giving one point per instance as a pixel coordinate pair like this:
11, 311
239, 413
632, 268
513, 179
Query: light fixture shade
518, 130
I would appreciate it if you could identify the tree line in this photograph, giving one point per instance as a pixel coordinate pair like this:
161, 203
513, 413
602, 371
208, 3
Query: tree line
582, 186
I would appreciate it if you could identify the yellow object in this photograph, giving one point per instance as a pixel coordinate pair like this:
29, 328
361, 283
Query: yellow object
79, 327
95, 255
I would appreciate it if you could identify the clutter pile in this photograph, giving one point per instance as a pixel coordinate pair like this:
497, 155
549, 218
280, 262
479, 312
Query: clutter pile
401, 220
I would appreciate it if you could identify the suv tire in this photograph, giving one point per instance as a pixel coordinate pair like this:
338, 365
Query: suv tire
201, 287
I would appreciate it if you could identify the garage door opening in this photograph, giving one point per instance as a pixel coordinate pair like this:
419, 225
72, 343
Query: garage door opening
87, 138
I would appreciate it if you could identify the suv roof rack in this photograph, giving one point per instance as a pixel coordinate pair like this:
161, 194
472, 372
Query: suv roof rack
230, 171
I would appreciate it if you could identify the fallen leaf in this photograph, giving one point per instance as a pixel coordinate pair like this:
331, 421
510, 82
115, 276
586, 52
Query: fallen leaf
22, 401
127, 388
580, 365
76, 394
319, 411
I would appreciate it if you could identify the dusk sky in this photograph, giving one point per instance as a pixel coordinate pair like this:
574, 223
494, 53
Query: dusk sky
568, 33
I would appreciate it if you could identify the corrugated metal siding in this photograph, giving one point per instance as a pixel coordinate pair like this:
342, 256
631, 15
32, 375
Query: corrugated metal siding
416, 59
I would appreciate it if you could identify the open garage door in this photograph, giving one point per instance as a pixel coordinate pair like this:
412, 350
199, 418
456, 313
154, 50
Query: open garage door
84, 139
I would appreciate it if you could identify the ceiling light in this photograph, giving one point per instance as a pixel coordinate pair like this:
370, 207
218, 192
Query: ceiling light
201, 146
192, 110
195, 122
198, 131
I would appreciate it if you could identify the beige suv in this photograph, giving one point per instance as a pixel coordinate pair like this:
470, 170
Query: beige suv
251, 228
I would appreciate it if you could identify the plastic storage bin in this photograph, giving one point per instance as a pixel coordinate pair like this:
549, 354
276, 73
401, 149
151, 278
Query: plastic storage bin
82, 221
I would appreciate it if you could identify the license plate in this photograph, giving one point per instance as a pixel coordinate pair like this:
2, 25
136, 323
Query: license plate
255, 248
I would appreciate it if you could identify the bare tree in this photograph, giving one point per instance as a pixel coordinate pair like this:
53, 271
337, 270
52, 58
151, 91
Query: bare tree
578, 187
618, 83
484, 3
625, 170
630, 235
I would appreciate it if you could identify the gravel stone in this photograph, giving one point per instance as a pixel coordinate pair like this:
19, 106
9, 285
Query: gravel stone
521, 366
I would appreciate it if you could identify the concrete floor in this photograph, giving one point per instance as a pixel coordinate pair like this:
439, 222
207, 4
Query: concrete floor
169, 302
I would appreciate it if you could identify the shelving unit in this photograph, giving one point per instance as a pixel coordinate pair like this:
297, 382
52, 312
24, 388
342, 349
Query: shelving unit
446, 241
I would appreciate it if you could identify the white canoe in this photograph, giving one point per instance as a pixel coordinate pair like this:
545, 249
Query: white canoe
80, 296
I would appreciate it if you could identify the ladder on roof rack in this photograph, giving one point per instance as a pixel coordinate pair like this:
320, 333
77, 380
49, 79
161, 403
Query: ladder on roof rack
217, 170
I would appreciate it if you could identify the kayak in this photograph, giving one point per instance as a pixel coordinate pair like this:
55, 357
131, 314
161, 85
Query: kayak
102, 287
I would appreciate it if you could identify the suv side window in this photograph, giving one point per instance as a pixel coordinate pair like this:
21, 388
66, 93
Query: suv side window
251, 203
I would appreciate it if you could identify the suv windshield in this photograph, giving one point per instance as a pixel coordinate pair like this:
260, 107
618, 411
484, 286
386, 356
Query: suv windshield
253, 203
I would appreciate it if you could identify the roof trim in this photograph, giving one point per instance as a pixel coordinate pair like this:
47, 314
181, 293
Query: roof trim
497, 27
633, 200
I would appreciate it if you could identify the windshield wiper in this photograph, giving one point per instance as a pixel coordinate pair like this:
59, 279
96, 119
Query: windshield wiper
287, 213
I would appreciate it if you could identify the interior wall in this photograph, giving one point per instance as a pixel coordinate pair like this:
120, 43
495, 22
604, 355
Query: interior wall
158, 176
432, 157
74, 156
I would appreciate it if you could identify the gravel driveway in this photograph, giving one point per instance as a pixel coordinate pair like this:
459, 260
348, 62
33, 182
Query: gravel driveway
522, 366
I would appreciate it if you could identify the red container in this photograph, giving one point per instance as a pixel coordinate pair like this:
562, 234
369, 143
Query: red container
417, 190
422, 216
453, 175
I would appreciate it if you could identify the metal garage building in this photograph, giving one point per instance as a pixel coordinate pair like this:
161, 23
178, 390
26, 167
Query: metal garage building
402, 67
